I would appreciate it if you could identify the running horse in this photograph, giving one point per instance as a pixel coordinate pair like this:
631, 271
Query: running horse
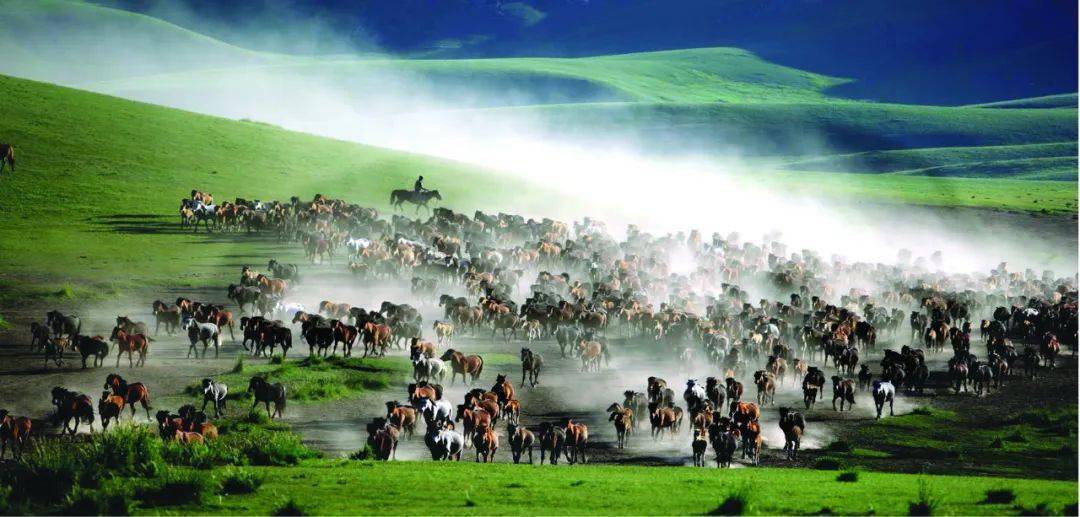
420, 199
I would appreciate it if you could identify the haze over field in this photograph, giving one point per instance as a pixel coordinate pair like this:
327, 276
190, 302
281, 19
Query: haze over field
669, 141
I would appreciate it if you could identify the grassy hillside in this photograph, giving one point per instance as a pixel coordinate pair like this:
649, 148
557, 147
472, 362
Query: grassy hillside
1053, 161
1064, 100
724, 75
99, 178
68, 42
467, 488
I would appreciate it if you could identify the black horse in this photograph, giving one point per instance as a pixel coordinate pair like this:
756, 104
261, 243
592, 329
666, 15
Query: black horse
266, 393
61, 324
420, 199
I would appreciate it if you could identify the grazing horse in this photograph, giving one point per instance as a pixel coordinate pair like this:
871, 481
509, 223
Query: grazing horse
134, 393
266, 393
624, 422
531, 364
884, 391
793, 425
844, 390
72, 406
16, 430
577, 439
7, 156
215, 392
461, 364
552, 441
207, 333
130, 344
521, 439
420, 199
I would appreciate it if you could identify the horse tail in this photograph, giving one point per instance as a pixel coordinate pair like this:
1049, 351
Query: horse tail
480, 368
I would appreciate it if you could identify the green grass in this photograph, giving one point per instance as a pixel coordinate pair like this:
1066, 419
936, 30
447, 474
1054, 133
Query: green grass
1033, 443
344, 487
1063, 100
311, 379
922, 159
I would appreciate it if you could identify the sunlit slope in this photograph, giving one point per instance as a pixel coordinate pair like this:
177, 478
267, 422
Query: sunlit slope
1064, 100
99, 180
73, 42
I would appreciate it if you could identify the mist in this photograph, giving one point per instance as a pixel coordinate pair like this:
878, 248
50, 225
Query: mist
661, 185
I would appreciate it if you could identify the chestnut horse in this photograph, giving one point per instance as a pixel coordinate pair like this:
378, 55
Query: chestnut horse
577, 438
130, 343
16, 430
461, 364
134, 393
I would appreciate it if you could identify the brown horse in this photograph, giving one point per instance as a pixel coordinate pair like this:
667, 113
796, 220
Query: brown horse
590, 353
376, 338
130, 343
424, 390
109, 408
473, 365
521, 439
15, 430
401, 416
7, 156
577, 438
624, 422
504, 389
472, 419
134, 393
274, 286
486, 442
418, 348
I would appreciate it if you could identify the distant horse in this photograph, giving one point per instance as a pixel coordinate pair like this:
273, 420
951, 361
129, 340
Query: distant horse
266, 393
420, 199
7, 156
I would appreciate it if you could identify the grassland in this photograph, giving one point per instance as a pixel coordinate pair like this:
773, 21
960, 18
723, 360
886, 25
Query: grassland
344, 487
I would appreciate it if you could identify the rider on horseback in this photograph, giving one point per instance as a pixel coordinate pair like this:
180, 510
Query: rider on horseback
418, 187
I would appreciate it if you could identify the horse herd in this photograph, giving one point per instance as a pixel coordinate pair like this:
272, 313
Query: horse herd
535, 281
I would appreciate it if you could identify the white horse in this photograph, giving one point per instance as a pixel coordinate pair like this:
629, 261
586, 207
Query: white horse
288, 309
430, 369
357, 245
436, 412
445, 444
205, 332
884, 391
694, 396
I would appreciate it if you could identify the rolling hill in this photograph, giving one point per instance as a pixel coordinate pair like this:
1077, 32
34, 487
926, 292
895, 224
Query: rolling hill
98, 180
921, 51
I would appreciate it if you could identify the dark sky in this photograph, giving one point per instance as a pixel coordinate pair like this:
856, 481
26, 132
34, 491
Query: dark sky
929, 51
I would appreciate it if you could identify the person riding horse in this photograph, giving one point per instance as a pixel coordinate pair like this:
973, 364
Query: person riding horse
418, 187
